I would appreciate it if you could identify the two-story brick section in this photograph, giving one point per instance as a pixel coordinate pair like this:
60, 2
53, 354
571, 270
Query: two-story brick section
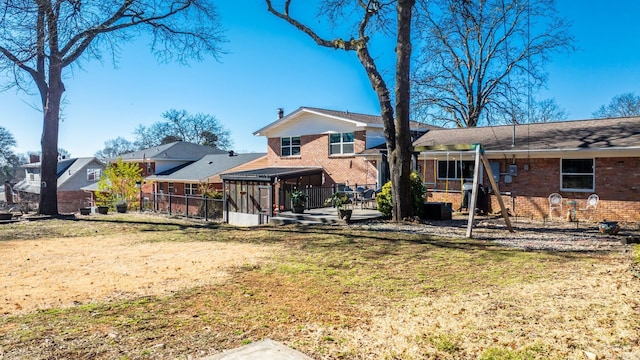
314, 149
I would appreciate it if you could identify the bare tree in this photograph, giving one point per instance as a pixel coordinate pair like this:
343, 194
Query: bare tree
41, 39
179, 125
537, 111
114, 148
545, 110
7, 142
7, 157
622, 105
375, 16
481, 59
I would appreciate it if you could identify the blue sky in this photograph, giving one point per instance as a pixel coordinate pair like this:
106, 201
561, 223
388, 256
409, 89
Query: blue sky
272, 65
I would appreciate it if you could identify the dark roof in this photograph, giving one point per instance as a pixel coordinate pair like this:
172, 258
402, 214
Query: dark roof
209, 165
179, 150
578, 134
173, 170
271, 173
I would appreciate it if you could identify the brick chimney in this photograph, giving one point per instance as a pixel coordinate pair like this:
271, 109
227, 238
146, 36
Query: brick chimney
34, 158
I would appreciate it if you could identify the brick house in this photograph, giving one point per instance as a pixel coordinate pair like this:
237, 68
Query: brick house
179, 168
313, 149
166, 158
186, 180
190, 180
531, 161
73, 175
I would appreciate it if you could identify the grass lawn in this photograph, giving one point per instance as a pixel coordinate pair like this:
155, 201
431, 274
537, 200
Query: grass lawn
141, 287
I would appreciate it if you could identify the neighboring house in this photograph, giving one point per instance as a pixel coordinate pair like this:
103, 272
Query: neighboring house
186, 180
180, 189
310, 149
73, 175
168, 157
531, 161
161, 158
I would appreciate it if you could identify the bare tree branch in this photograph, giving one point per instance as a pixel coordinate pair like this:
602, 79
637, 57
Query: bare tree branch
480, 61
44, 38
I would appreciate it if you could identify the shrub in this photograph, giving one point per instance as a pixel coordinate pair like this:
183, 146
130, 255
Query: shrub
417, 190
118, 184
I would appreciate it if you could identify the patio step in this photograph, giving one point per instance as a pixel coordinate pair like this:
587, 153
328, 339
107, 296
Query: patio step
322, 216
306, 218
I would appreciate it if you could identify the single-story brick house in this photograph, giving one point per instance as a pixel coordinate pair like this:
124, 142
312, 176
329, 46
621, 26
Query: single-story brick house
532, 161
186, 180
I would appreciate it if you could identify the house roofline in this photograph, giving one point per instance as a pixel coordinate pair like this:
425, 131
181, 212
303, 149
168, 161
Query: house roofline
540, 153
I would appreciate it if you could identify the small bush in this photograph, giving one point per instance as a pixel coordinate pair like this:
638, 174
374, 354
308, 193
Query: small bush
385, 201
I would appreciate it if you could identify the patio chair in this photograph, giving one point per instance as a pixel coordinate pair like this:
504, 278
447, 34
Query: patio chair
555, 202
591, 206
367, 197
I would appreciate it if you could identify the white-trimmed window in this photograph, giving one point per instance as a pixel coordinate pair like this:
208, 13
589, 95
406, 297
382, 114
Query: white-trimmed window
455, 169
190, 189
341, 143
94, 174
577, 175
290, 146
171, 188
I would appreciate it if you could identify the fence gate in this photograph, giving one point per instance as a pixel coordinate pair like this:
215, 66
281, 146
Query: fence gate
265, 203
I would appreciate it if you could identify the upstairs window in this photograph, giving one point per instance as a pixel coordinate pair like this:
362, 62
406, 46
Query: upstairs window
290, 146
341, 143
577, 175
94, 174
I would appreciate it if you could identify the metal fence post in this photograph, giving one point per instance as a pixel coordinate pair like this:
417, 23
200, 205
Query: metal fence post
206, 207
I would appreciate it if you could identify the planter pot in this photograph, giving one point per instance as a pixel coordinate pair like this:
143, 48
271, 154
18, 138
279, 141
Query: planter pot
103, 210
6, 216
609, 227
345, 214
297, 209
122, 208
85, 211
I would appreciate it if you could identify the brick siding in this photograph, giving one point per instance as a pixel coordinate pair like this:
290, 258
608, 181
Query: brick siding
314, 151
72, 201
617, 183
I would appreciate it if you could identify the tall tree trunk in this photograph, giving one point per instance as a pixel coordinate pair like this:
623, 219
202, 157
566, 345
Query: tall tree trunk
49, 142
400, 155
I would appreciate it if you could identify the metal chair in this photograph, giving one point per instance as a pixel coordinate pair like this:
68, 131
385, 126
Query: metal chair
555, 202
592, 205
368, 196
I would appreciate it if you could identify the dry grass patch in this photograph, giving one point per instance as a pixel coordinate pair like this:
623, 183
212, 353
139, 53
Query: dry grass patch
331, 292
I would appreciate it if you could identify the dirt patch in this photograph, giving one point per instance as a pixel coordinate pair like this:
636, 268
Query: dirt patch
40, 274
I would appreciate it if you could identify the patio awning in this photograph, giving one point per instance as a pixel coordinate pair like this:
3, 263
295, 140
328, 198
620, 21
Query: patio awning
271, 174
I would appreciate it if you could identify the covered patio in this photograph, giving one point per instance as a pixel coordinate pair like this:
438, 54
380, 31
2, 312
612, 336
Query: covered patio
252, 197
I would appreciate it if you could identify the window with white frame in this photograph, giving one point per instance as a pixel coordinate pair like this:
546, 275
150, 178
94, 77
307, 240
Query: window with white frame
290, 146
171, 188
341, 143
94, 174
190, 189
455, 169
577, 175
